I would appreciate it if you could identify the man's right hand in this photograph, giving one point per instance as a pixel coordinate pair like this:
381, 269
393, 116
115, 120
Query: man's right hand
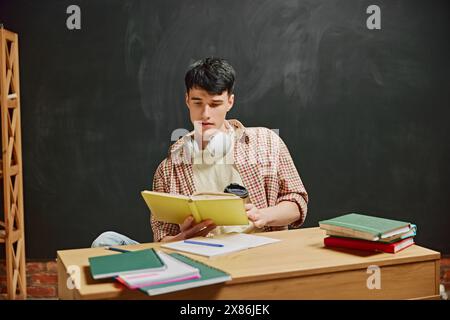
189, 229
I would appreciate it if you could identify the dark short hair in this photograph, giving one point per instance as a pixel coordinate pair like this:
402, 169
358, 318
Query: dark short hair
214, 75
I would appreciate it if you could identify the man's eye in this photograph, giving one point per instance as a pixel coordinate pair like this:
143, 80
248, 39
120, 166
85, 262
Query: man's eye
215, 105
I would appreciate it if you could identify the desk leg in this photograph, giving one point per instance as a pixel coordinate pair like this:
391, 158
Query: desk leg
437, 264
64, 292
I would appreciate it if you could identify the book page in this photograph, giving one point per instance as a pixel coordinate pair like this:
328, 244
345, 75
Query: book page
247, 240
204, 249
228, 243
213, 195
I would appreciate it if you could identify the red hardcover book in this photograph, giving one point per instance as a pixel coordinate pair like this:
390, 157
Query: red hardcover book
368, 245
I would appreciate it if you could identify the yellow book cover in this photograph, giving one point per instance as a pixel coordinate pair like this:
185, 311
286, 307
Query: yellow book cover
225, 209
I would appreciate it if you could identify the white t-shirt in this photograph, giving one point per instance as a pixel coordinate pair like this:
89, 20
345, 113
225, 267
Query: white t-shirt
215, 175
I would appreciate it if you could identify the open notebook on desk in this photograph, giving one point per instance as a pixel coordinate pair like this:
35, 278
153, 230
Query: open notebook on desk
219, 245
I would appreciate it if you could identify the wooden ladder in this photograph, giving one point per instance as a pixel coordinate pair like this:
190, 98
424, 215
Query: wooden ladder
12, 227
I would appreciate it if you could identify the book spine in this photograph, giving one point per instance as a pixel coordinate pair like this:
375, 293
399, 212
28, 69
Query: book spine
194, 211
358, 244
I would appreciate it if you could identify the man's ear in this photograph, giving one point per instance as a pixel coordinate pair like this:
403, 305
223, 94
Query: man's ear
186, 99
230, 101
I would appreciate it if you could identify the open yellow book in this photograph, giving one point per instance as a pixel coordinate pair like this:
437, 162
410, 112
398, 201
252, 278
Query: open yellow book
225, 209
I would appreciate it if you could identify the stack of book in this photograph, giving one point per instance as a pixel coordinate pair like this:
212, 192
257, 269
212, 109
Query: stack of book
155, 272
357, 231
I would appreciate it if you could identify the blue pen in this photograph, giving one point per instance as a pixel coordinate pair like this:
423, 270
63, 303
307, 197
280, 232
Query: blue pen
204, 243
117, 249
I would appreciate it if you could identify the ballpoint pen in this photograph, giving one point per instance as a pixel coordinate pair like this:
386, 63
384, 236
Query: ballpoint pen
116, 249
204, 243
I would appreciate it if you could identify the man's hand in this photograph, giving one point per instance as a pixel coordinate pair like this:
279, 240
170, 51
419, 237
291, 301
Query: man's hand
282, 214
259, 217
189, 229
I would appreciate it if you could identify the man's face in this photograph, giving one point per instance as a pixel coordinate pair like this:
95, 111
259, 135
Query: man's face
208, 111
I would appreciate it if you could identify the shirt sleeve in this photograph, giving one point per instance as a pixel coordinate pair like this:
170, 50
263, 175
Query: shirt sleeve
161, 229
291, 187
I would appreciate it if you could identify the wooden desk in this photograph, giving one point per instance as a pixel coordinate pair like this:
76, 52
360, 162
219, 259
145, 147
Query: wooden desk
298, 267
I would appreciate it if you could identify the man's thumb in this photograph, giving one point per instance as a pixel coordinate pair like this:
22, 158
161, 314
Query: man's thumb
186, 223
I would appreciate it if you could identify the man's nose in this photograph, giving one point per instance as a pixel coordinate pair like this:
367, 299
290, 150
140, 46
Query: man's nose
206, 111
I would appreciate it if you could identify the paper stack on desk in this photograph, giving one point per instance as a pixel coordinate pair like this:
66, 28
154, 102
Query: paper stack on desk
174, 271
219, 245
208, 276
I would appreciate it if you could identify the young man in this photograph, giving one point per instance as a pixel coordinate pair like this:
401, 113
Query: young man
219, 152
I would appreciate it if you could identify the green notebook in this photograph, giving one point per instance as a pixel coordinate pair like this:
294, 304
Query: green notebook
360, 226
208, 275
125, 263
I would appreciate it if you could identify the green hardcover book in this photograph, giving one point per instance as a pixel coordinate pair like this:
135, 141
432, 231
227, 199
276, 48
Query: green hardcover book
402, 236
208, 275
125, 263
360, 226
398, 237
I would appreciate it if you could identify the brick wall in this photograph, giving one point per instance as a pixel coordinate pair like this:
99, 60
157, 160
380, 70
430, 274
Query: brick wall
445, 273
42, 278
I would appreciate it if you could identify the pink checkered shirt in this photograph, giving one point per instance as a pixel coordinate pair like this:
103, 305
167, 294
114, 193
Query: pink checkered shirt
263, 162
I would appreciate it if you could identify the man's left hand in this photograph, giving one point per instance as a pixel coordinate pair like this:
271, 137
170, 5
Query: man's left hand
259, 217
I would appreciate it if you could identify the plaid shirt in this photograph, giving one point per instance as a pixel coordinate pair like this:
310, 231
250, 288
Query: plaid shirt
263, 161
